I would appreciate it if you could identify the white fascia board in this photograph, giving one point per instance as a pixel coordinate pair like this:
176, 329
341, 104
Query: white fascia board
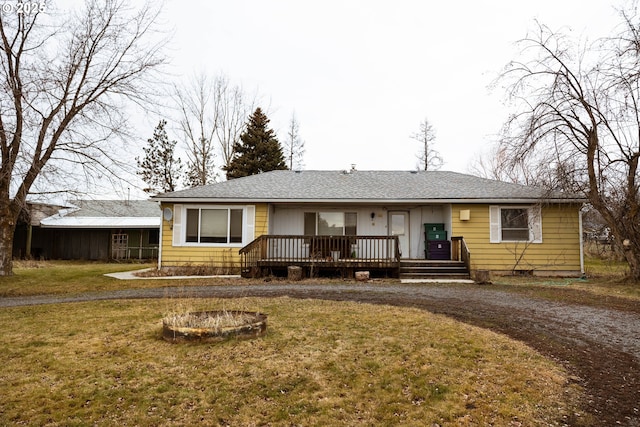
373, 201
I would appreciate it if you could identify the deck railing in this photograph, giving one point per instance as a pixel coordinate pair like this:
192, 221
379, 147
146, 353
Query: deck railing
135, 252
460, 251
330, 251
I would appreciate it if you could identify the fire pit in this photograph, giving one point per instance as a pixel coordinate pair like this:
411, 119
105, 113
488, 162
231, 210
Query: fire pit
213, 326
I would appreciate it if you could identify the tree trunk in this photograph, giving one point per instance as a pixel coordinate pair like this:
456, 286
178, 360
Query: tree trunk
633, 259
7, 231
294, 273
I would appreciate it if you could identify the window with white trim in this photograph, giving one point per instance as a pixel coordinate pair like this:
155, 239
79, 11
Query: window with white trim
213, 225
515, 224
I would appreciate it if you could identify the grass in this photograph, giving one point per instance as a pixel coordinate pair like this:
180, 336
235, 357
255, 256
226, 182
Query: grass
320, 363
215, 322
64, 277
604, 278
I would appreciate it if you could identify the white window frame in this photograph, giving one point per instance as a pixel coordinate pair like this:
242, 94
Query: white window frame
180, 225
534, 217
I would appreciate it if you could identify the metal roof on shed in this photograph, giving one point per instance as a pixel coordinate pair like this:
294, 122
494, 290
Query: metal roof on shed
106, 214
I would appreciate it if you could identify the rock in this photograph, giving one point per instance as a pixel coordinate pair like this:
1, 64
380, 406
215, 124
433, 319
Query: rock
483, 277
362, 276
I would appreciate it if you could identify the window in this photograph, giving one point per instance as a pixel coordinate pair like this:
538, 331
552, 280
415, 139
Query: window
223, 225
330, 223
515, 224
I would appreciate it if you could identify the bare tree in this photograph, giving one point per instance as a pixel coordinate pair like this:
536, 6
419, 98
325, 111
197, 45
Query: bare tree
293, 146
213, 115
233, 109
429, 158
578, 107
196, 102
65, 83
539, 171
491, 164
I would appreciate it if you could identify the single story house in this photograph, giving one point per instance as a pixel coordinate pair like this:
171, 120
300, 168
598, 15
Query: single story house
91, 230
394, 221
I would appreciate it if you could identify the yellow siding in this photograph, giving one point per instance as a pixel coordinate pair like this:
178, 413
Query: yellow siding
558, 252
227, 257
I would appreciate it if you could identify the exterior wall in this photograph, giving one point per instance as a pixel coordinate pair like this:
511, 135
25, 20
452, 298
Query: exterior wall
226, 257
82, 243
558, 254
289, 220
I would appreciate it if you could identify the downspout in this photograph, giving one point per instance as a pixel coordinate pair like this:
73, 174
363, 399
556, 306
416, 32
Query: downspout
581, 243
160, 237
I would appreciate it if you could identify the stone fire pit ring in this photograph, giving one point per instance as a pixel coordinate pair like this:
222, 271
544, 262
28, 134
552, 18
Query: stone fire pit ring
204, 326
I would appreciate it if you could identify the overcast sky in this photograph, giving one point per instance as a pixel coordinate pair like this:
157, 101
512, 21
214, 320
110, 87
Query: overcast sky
362, 75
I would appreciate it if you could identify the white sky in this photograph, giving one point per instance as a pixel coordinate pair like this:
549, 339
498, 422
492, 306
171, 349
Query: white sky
362, 75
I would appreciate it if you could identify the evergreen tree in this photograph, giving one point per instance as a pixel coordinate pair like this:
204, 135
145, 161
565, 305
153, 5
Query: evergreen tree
258, 149
159, 169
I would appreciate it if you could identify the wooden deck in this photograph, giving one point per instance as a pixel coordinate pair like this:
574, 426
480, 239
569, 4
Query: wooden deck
344, 255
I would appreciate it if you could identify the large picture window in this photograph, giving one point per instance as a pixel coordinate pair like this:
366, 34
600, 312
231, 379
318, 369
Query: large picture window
330, 223
220, 225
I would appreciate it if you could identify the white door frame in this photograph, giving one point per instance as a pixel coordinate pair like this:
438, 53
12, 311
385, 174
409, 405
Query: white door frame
403, 231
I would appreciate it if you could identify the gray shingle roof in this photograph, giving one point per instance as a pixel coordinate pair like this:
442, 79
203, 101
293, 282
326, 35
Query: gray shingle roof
356, 186
115, 208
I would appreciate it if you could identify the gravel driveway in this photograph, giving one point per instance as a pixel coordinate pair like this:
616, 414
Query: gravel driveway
598, 343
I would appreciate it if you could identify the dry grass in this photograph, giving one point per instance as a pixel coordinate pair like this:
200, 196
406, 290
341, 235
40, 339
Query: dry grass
221, 320
604, 277
65, 277
321, 363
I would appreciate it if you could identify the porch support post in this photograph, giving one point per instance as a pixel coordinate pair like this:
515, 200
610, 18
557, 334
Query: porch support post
27, 254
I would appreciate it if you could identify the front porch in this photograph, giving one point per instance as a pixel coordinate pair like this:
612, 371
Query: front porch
344, 255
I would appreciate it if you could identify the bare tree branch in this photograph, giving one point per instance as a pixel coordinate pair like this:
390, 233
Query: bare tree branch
65, 83
578, 115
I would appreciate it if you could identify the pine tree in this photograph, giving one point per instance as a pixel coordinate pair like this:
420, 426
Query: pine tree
258, 150
159, 168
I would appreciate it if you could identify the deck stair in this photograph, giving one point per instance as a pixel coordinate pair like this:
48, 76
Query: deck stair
433, 269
